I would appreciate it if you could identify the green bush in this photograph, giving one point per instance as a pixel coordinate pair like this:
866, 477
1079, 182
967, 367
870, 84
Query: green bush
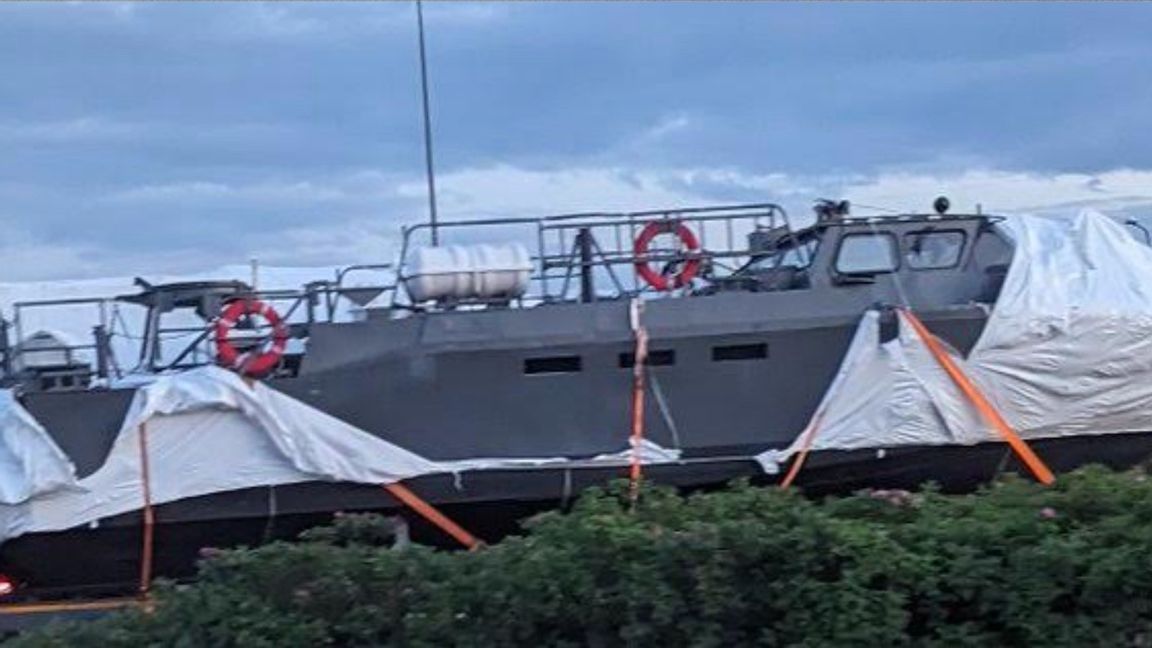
1015, 564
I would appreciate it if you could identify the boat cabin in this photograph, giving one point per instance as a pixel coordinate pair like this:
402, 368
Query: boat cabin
837, 263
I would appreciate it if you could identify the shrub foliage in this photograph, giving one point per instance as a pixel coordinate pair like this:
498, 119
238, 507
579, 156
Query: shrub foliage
1014, 564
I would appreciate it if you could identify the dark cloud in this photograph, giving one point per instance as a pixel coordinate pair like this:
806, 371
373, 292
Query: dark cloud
217, 129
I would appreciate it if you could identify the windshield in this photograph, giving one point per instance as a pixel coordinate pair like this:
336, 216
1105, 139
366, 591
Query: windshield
798, 256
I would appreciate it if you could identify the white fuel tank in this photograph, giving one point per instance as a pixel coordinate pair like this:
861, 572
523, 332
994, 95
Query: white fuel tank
483, 271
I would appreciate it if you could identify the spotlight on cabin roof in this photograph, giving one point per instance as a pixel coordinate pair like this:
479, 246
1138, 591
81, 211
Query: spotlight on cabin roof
941, 205
831, 210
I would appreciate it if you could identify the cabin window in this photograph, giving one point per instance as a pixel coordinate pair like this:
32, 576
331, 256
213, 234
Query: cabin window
552, 365
740, 352
798, 256
867, 254
656, 358
933, 249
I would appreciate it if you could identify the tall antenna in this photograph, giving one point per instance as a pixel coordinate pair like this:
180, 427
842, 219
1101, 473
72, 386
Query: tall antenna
427, 125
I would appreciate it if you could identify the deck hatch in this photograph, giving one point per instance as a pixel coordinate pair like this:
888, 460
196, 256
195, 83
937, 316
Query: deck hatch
553, 365
657, 358
758, 351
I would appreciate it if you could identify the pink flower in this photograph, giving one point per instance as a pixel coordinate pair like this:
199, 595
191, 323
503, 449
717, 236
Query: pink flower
895, 497
1048, 513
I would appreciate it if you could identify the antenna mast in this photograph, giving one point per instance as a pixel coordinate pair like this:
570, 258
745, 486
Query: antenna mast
427, 125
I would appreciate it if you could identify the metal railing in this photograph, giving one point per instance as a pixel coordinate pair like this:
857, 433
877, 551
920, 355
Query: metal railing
317, 301
601, 245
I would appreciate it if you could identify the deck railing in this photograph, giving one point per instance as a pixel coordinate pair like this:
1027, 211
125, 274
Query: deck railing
157, 344
572, 251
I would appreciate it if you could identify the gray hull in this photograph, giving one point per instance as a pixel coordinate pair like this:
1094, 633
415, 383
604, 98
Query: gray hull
443, 396
735, 375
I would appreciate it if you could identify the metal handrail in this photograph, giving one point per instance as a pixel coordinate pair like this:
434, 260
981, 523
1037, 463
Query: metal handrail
328, 291
556, 251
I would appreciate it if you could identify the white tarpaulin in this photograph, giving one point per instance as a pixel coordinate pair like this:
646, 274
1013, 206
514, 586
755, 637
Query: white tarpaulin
1067, 350
30, 462
208, 431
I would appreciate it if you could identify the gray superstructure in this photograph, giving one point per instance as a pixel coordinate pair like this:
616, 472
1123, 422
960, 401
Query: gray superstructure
738, 360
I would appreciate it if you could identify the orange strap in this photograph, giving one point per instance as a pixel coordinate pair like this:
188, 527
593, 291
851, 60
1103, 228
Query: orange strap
68, 606
149, 514
639, 362
805, 446
433, 515
416, 503
1037, 466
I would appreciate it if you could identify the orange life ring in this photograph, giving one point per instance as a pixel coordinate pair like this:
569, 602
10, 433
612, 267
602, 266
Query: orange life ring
253, 364
659, 280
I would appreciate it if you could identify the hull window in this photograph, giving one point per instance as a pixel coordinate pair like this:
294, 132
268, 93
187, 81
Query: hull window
659, 358
552, 365
740, 352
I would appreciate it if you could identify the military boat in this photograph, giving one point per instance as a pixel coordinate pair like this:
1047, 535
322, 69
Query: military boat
518, 338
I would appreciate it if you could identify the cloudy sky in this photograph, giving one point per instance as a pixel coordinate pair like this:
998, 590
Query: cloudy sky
148, 138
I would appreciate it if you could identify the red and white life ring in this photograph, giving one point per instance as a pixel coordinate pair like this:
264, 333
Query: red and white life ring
688, 269
250, 363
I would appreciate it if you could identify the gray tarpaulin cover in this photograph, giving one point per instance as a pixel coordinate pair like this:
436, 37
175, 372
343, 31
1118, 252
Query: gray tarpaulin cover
1067, 351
